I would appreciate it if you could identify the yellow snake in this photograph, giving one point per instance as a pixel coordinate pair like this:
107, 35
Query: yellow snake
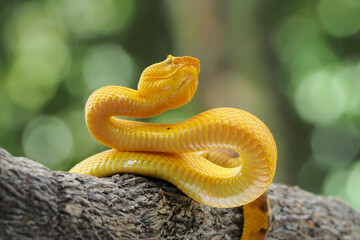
190, 154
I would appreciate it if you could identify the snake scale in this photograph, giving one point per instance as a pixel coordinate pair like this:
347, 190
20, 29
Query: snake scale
223, 157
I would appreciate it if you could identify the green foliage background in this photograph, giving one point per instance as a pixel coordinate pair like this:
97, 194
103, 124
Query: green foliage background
294, 64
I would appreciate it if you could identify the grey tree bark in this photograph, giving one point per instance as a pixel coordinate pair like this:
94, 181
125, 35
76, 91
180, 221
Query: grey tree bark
36, 203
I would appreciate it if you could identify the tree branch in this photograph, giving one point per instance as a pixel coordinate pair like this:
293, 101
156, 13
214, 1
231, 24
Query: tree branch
38, 203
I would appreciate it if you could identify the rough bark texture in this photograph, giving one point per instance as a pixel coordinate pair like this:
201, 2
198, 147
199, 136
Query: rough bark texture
36, 203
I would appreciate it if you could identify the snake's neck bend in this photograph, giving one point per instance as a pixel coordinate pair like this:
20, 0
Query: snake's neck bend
162, 86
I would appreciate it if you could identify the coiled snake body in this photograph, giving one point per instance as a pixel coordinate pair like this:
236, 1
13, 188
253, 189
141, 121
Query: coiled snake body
189, 154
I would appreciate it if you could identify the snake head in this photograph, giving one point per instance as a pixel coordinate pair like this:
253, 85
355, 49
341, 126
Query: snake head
174, 80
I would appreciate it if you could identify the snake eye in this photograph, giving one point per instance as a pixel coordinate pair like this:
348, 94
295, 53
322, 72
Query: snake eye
169, 60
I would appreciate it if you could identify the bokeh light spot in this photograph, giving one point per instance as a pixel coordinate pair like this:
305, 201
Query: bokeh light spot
47, 140
334, 182
303, 51
288, 42
310, 58
89, 18
25, 93
350, 76
40, 57
341, 17
48, 47
311, 176
335, 145
107, 64
320, 98
352, 186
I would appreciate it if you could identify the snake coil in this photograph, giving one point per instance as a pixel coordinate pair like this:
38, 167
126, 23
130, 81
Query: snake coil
189, 154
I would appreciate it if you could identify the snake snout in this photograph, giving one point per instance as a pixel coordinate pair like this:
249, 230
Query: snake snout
188, 61
193, 62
